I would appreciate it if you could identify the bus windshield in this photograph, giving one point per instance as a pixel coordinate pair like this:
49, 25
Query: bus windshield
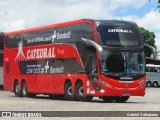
119, 35
118, 64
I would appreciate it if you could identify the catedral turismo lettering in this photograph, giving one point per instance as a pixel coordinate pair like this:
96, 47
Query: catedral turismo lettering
41, 53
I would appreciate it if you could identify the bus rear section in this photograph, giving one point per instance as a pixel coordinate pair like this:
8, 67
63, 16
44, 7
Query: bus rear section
79, 60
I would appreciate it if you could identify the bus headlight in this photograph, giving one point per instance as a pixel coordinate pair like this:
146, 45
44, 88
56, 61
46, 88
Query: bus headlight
103, 82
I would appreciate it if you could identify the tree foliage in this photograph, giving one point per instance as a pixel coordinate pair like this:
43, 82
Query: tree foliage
148, 38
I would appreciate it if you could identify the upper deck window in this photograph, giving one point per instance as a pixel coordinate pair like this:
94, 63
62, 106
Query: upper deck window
119, 35
63, 34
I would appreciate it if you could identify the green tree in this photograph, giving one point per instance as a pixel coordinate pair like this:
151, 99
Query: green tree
148, 38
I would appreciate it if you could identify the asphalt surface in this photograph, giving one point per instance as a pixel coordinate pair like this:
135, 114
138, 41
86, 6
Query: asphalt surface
150, 102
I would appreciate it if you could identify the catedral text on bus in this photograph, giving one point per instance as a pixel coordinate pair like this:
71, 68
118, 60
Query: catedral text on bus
80, 59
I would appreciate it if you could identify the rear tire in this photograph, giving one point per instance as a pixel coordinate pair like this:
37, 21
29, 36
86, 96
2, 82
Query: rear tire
68, 91
121, 99
17, 90
24, 90
148, 84
155, 84
80, 95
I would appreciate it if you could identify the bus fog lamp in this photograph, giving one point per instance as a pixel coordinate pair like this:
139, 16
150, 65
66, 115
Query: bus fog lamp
102, 91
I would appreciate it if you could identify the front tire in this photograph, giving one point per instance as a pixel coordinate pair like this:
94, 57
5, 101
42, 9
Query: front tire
80, 95
121, 99
68, 92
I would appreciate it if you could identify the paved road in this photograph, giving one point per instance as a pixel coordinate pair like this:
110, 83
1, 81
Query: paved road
150, 102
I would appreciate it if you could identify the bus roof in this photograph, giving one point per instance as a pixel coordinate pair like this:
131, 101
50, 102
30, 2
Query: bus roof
114, 21
43, 27
67, 23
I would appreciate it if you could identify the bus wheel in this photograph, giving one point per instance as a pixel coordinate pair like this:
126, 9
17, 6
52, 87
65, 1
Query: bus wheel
17, 90
107, 99
68, 92
148, 84
121, 99
80, 95
155, 84
24, 89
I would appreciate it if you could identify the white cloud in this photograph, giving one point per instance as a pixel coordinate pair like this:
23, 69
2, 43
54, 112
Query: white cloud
127, 3
150, 21
20, 14
41, 12
13, 25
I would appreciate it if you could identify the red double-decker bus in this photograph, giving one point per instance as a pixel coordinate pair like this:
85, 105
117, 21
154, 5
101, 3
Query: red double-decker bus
79, 60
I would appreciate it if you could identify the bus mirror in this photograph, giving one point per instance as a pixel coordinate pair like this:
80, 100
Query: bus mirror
97, 46
154, 51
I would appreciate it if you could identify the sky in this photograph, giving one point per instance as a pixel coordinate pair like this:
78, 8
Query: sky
22, 14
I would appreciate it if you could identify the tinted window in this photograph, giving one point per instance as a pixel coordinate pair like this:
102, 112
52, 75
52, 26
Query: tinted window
119, 35
71, 33
85, 52
55, 66
87, 31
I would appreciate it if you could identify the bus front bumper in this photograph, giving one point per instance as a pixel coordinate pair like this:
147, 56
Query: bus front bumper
115, 91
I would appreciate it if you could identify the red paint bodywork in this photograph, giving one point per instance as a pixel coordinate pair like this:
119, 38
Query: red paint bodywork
54, 83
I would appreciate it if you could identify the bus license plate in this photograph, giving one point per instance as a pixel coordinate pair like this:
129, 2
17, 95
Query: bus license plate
126, 94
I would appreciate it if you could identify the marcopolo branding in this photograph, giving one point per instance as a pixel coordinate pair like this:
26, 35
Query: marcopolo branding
120, 30
41, 53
